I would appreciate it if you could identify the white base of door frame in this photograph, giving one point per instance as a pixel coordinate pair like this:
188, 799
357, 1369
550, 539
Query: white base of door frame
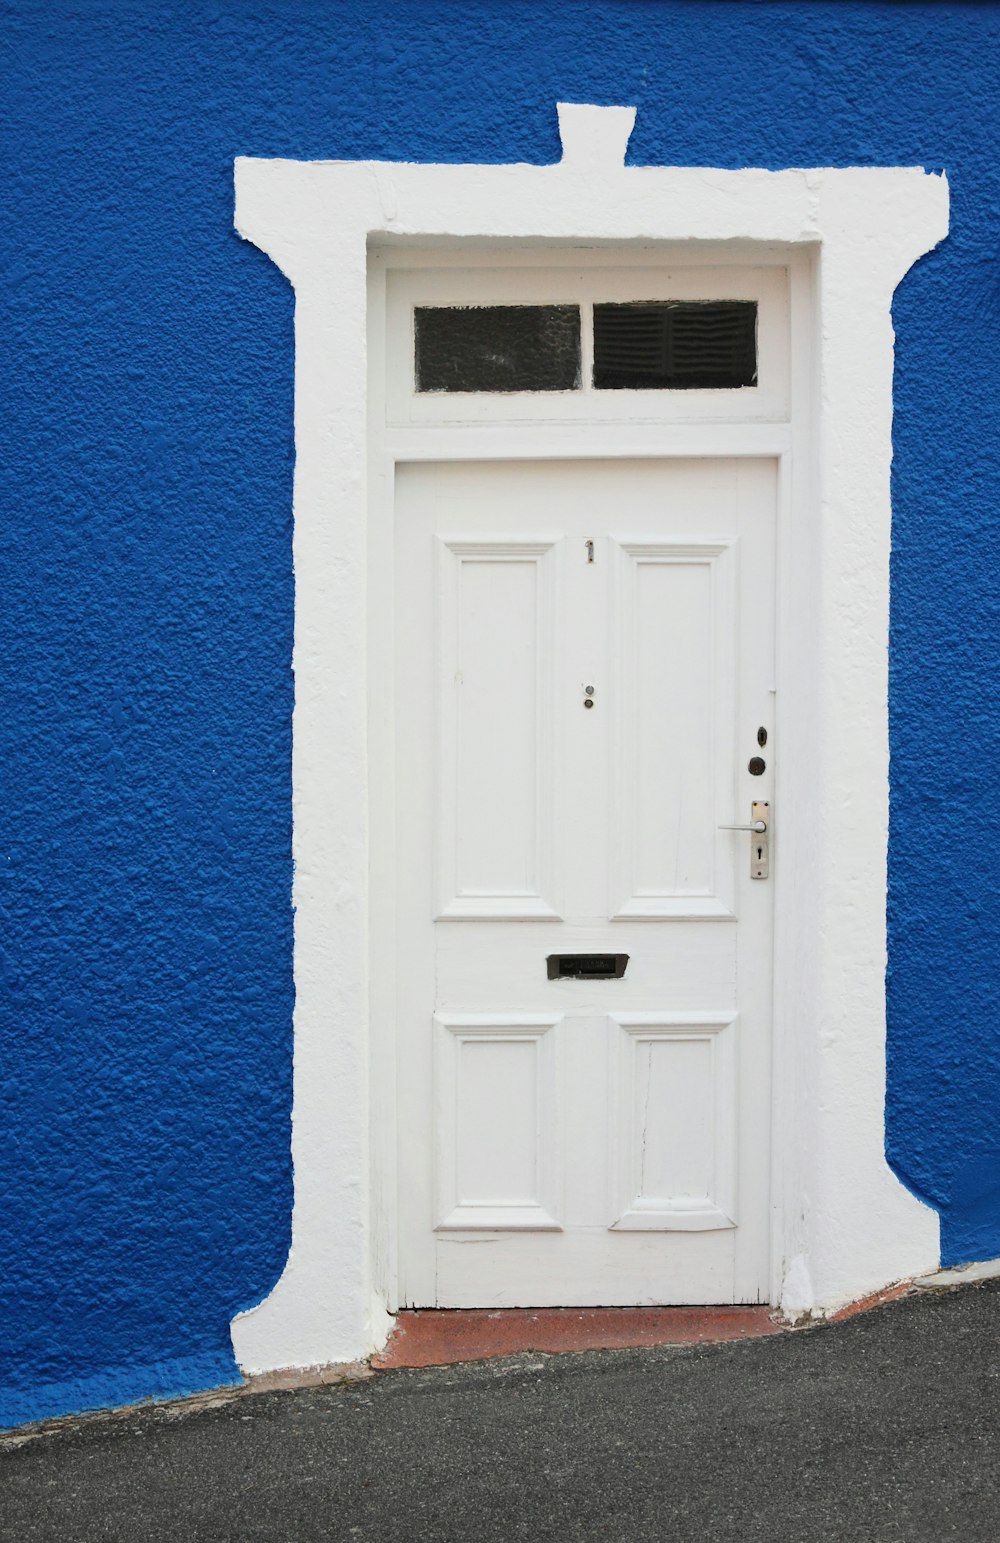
843, 1225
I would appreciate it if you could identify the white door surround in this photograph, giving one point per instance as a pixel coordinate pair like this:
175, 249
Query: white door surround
842, 1225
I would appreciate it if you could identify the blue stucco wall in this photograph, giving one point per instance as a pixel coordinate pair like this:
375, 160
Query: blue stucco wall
145, 626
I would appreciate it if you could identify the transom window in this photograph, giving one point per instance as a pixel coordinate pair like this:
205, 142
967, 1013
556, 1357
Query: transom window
645, 340
665, 345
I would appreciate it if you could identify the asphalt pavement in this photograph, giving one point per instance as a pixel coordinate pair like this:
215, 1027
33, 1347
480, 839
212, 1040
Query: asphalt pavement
881, 1429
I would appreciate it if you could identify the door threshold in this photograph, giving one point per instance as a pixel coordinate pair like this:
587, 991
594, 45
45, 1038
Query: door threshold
443, 1337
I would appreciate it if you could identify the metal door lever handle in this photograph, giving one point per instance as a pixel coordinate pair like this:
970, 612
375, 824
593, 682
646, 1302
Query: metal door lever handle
760, 819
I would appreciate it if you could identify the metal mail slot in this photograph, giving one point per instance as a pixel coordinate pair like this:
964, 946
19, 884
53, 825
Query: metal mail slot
586, 966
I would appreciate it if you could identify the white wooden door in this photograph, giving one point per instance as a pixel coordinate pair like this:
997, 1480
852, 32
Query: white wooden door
583, 1141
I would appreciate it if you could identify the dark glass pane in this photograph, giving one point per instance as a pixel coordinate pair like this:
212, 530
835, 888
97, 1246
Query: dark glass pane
676, 345
497, 348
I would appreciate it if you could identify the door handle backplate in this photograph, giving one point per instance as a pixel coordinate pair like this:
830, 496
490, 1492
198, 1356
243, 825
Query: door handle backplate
760, 831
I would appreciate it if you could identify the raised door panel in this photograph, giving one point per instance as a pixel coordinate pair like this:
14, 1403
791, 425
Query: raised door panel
495, 769
673, 1131
673, 638
496, 1121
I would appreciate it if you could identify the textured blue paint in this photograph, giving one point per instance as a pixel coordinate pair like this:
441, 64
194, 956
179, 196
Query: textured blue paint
146, 621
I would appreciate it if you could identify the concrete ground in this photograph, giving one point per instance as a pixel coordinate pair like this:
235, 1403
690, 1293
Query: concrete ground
881, 1429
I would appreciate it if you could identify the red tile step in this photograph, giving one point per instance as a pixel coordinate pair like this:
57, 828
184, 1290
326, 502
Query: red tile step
438, 1337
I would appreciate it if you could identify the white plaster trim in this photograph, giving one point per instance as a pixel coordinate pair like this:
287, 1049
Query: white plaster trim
836, 1203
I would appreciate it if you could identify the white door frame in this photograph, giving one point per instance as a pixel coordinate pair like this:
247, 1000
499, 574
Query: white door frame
843, 1225
570, 428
